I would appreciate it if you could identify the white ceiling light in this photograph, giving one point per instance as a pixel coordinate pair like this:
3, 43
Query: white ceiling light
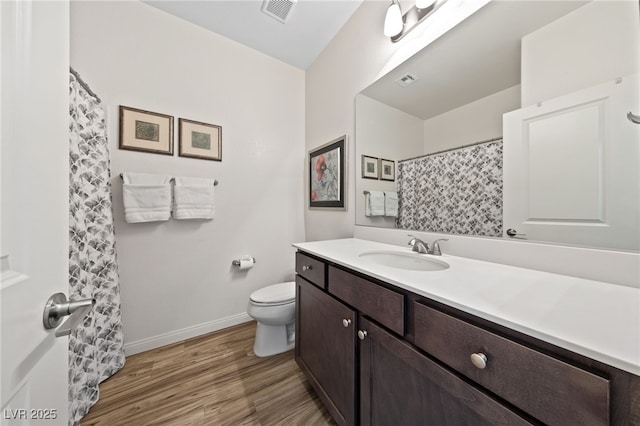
423, 4
393, 20
397, 26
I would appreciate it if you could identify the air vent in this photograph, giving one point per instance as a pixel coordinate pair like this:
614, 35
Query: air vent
279, 9
406, 80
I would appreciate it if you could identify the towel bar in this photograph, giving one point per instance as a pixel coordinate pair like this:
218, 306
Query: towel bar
215, 182
366, 192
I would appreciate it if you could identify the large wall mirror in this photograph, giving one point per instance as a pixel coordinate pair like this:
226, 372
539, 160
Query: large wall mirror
511, 125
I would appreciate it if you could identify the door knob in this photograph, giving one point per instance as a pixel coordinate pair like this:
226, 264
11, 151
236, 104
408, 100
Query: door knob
346, 322
58, 307
306, 267
362, 334
513, 233
479, 360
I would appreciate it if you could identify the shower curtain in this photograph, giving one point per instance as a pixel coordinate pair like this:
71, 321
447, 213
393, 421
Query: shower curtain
96, 347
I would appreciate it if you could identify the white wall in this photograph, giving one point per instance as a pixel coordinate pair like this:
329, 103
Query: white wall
356, 57
475, 122
176, 277
390, 134
568, 55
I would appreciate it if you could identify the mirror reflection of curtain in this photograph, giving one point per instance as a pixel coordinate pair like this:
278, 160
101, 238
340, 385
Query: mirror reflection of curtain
456, 192
96, 347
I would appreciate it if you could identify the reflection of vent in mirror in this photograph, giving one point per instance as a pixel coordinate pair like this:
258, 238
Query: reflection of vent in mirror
279, 9
406, 80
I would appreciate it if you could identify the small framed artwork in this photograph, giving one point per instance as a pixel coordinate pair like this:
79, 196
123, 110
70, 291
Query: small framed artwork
387, 169
146, 131
370, 168
327, 175
199, 140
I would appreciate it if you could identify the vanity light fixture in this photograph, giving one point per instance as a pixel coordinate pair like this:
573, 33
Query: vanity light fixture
397, 26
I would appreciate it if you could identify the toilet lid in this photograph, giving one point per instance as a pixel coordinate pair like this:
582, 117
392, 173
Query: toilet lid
276, 293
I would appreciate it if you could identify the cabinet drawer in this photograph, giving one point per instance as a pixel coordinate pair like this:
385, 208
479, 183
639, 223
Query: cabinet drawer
311, 269
377, 302
548, 389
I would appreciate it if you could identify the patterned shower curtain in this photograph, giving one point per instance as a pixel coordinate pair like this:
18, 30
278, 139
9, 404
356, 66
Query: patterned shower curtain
455, 192
96, 347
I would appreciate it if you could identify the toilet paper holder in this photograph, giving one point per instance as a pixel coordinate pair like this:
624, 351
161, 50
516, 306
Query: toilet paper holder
237, 261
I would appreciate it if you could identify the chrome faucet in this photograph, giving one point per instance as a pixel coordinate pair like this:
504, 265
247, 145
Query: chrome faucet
421, 247
435, 247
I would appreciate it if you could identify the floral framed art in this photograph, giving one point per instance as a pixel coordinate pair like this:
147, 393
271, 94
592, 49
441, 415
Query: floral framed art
387, 170
370, 167
327, 175
199, 140
146, 131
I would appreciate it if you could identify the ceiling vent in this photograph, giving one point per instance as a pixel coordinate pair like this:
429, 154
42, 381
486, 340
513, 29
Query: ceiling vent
279, 9
406, 80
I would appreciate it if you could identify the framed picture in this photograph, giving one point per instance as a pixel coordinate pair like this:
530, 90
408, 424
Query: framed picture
146, 131
387, 169
199, 140
327, 175
370, 168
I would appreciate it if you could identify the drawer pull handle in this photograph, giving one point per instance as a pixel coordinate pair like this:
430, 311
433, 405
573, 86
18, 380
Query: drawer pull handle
306, 268
346, 322
479, 360
362, 334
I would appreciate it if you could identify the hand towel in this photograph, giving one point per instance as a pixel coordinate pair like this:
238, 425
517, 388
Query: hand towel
374, 203
194, 198
391, 204
146, 197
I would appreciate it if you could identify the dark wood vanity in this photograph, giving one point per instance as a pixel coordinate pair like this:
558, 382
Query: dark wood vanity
377, 354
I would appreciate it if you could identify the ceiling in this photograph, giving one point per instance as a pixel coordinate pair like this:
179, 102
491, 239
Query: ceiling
481, 56
310, 27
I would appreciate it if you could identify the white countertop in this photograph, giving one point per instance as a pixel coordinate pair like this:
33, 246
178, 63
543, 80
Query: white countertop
595, 319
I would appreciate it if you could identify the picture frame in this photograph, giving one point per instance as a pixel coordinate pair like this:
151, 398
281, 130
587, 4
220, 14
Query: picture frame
199, 140
145, 131
370, 169
327, 175
387, 170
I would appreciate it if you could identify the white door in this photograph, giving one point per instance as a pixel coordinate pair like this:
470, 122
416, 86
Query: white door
34, 205
572, 168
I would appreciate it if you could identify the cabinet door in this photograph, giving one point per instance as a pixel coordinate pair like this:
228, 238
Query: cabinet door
400, 386
325, 349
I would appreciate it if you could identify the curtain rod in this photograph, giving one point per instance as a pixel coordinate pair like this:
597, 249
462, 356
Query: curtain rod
84, 85
453, 149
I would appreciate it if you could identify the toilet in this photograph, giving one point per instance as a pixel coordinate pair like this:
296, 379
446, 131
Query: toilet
274, 308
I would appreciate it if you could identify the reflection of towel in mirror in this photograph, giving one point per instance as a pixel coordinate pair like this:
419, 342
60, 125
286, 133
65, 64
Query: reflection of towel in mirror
146, 197
391, 204
374, 203
194, 198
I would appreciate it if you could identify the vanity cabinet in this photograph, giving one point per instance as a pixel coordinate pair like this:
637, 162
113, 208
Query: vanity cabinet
401, 386
326, 349
381, 355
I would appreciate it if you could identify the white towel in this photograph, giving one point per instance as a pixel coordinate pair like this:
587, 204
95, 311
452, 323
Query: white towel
391, 204
146, 197
194, 198
374, 203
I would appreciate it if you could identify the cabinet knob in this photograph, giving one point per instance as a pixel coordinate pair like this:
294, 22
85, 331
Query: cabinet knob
362, 334
306, 267
479, 360
346, 322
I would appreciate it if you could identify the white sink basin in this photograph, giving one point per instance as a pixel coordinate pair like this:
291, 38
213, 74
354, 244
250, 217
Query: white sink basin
402, 260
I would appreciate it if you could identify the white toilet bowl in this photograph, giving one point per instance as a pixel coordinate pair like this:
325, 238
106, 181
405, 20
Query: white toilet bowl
274, 308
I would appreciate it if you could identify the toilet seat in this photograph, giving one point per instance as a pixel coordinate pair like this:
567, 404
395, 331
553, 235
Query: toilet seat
275, 295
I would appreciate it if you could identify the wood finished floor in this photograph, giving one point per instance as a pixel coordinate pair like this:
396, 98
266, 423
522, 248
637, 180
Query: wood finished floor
214, 379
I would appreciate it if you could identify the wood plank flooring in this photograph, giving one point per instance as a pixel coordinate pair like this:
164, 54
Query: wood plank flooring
214, 379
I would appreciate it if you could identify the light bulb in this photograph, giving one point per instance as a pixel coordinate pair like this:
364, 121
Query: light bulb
393, 20
423, 4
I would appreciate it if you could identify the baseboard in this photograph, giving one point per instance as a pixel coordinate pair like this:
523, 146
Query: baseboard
149, 343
